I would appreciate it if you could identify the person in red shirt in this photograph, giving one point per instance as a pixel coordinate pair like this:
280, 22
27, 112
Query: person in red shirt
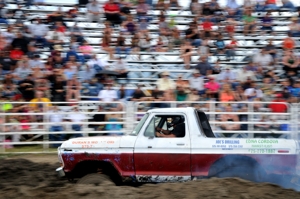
60, 27
230, 26
288, 43
230, 48
16, 54
207, 28
112, 12
278, 108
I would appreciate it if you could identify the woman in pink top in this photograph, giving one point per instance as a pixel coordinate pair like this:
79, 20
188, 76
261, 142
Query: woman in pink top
86, 50
212, 88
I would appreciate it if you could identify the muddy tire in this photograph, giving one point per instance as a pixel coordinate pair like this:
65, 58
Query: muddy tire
240, 167
96, 179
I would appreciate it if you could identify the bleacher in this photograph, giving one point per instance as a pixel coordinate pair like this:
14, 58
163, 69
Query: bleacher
147, 68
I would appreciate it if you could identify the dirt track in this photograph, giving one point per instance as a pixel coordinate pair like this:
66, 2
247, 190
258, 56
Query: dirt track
33, 176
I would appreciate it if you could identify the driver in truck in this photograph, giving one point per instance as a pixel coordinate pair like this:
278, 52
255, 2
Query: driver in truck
178, 128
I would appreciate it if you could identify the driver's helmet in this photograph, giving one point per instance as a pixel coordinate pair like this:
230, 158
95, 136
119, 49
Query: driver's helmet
177, 120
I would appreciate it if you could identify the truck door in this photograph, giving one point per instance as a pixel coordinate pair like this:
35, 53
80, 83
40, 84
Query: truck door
159, 159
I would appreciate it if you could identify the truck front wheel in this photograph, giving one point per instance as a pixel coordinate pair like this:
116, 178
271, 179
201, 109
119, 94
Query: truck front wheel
96, 179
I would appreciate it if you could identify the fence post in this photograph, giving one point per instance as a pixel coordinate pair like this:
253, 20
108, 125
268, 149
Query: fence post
45, 126
294, 120
2, 119
250, 118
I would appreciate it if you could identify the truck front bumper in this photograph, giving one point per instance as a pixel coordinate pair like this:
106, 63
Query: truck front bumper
60, 172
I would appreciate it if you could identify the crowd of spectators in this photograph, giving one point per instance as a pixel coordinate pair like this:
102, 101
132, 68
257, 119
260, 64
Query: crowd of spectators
67, 75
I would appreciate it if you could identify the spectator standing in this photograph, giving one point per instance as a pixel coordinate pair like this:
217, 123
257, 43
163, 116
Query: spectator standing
57, 118
93, 11
76, 117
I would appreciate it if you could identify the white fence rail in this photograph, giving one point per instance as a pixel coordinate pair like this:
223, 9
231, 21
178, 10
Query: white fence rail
40, 124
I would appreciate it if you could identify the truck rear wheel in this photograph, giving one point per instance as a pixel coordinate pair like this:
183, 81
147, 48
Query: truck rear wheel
240, 167
96, 179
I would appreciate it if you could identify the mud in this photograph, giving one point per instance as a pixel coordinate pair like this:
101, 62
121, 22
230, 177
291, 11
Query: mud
34, 177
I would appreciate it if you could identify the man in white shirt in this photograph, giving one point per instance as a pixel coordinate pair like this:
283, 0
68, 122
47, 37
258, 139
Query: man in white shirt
244, 74
55, 38
263, 59
120, 66
93, 11
56, 118
253, 92
78, 118
97, 64
108, 94
36, 62
87, 74
197, 81
227, 76
165, 83
39, 31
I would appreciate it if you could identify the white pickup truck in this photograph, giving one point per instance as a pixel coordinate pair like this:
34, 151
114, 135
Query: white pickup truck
176, 144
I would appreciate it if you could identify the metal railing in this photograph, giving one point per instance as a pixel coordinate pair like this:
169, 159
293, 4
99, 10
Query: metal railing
125, 115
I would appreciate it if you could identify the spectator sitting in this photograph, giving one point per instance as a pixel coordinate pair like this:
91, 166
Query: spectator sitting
76, 32
164, 83
249, 23
129, 25
8, 35
173, 4
207, 28
98, 117
271, 49
228, 76
40, 107
138, 95
192, 34
226, 94
73, 13
36, 62
91, 88
181, 93
86, 50
106, 46
294, 27
220, 45
112, 12
288, 43
26, 87
39, 31
263, 59
197, 82
121, 47
243, 74
182, 82
20, 41
212, 88
267, 89
229, 118
120, 66
16, 54
186, 53
108, 94
73, 53
267, 23
59, 26
290, 63
73, 89
69, 70
97, 64
86, 74
58, 91
239, 94
93, 11
55, 39
296, 90
56, 16
142, 9
3, 14
253, 92
230, 49
22, 70
204, 66
195, 7
288, 5
278, 107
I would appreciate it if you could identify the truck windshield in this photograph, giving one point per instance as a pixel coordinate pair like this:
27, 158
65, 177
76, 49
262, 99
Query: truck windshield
138, 127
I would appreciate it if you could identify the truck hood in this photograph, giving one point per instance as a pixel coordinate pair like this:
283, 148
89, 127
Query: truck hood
125, 141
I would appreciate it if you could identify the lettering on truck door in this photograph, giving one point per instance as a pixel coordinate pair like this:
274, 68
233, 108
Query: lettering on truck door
159, 159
